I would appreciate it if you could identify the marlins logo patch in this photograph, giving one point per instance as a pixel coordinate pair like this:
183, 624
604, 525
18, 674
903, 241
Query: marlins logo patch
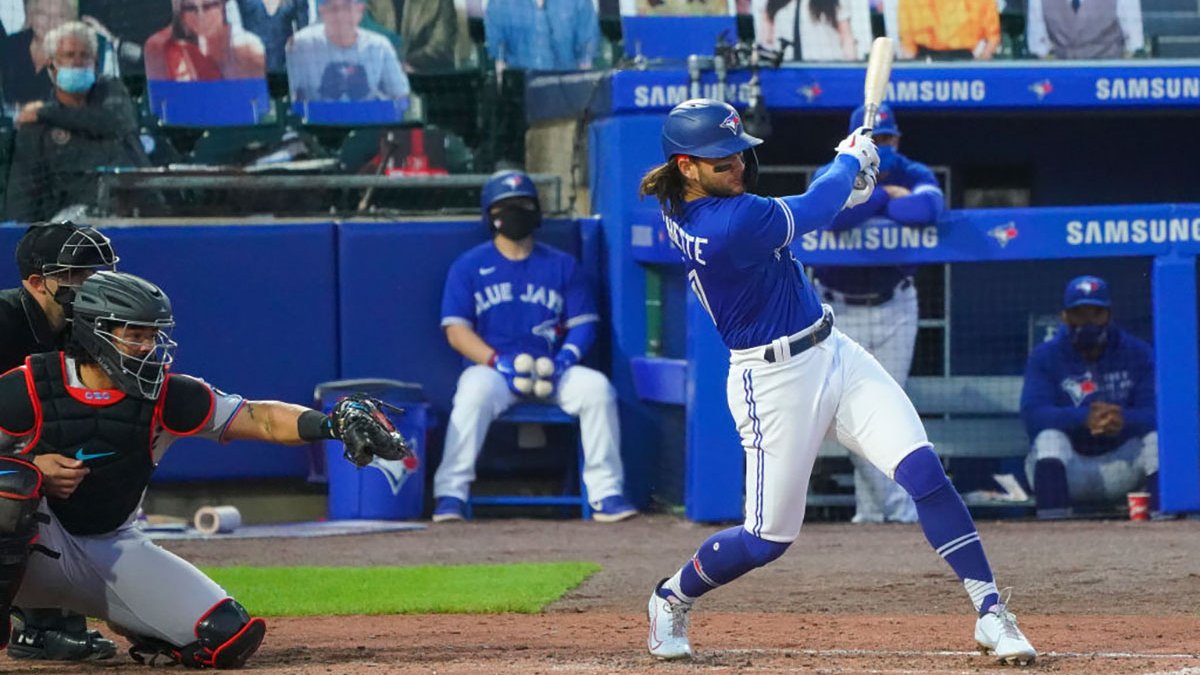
733, 123
1079, 388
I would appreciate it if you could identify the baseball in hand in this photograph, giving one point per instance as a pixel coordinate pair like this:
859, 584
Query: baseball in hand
525, 385
544, 367
543, 388
523, 363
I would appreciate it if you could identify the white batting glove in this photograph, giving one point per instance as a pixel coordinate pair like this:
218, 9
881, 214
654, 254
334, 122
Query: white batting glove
861, 195
860, 146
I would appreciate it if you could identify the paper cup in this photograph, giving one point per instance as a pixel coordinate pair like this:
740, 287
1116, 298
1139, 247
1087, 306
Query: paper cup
1139, 505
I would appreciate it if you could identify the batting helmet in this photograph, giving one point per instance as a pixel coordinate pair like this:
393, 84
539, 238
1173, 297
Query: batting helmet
505, 185
111, 300
885, 121
704, 127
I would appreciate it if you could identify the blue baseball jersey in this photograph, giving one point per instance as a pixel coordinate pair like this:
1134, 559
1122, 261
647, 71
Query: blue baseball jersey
739, 262
1060, 387
517, 305
920, 208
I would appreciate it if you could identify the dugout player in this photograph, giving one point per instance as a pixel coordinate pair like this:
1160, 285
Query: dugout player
1089, 406
793, 376
85, 428
877, 306
512, 296
52, 259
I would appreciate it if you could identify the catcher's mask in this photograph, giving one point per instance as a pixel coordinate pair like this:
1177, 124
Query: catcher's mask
124, 324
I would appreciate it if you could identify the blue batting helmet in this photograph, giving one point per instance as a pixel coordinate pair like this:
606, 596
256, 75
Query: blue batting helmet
885, 121
506, 184
703, 127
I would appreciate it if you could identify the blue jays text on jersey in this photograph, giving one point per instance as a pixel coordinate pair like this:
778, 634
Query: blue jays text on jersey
1060, 387
517, 305
754, 289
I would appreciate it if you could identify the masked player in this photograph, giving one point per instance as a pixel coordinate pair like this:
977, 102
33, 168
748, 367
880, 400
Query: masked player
85, 428
877, 306
513, 297
1089, 407
793, 376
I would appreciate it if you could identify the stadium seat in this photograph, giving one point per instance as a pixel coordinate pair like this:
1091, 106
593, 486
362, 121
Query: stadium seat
242, 145
448, 150
218, 103
545, 414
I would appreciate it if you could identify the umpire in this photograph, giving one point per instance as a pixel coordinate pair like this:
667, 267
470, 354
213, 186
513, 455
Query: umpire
53, 260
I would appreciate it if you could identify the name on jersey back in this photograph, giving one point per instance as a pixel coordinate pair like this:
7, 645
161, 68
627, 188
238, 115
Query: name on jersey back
691, 245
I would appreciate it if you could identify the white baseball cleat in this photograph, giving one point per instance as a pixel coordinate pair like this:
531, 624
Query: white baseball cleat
668, 626
997, 632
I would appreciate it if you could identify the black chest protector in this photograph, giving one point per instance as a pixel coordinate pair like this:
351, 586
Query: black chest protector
112, 439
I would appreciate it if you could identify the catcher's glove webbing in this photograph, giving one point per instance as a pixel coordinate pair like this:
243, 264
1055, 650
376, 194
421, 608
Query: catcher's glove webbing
359, 422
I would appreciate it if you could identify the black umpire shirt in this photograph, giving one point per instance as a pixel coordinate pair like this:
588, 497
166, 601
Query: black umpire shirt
24, 329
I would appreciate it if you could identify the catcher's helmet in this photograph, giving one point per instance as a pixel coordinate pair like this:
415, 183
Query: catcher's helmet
704, 127
109, 301
885, 121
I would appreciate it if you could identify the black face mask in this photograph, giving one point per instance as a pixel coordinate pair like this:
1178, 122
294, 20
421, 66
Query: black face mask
65, 297
516, 223
1089, 337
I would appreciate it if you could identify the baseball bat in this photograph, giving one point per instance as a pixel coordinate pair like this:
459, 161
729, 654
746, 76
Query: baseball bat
879, 71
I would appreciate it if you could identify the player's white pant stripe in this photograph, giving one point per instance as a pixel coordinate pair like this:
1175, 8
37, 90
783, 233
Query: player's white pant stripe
752, 409
947, 550
791, 222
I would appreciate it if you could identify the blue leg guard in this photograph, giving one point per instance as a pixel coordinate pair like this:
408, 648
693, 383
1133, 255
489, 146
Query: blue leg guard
723, 557
947, 524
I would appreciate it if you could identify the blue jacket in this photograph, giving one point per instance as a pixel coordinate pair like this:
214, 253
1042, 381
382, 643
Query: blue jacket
1060, 387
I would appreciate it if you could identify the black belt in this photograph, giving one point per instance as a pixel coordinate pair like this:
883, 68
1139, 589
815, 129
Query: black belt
870, 299
799, 344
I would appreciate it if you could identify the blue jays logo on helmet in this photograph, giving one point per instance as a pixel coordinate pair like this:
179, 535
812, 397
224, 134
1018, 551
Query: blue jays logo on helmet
705, 127
505, 185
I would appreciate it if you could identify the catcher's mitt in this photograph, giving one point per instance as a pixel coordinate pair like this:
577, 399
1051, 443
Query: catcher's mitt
359, 422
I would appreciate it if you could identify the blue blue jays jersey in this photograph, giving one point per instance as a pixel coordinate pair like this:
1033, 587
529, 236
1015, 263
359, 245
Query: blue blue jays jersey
920, 208
517, 305
739, 263
1060, 388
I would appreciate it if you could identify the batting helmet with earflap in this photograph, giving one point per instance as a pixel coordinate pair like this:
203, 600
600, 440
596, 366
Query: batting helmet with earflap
505, 185
704, 127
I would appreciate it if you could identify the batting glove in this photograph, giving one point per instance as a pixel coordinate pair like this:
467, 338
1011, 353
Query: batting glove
861, 195
861, 147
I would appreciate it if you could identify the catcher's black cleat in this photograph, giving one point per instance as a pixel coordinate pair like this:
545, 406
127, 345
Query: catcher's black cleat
58, 645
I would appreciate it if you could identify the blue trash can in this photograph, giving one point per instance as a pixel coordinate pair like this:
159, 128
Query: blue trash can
381, 490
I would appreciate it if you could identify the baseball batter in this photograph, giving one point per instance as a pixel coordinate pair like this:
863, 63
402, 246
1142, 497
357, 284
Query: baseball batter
85, 428
1089, 407
877, 306
793, 376
508, 302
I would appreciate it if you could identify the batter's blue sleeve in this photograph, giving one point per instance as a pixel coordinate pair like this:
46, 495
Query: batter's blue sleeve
1141, 417
458, 307
857, 215
1038, 408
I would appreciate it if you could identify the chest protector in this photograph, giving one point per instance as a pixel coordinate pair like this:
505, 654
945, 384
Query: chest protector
110, 432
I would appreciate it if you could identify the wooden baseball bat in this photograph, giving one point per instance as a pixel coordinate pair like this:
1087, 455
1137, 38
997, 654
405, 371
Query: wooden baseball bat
879, 71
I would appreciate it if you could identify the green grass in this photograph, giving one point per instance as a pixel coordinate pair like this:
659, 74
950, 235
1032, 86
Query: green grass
458, 589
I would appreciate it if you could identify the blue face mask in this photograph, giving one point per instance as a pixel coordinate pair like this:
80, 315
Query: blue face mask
1088, 337
75, 80
889, 157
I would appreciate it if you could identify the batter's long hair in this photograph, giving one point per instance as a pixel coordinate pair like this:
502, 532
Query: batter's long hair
666, 183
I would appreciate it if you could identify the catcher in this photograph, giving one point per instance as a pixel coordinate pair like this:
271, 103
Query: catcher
84, 428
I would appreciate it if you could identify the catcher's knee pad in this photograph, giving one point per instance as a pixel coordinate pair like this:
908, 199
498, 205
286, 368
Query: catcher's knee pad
227, 634
20, 494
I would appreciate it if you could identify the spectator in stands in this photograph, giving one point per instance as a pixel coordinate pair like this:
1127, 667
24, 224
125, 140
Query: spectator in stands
1089, 407
86, 124
1084, 29
542, 34
274, 22
201, 45
815, 30
24, 64
513, 296
877, 306
428, 30
948, 30
335, 60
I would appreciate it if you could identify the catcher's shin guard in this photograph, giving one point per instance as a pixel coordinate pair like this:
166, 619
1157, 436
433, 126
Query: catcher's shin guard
20, 494
227, 634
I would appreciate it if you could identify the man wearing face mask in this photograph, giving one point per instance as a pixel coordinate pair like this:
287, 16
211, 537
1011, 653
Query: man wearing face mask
53, 260
877, 306
508, 298
1089, 407
86, 123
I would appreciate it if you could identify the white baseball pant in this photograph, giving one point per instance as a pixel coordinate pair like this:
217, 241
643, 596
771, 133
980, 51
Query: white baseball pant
1100, 478
482, 395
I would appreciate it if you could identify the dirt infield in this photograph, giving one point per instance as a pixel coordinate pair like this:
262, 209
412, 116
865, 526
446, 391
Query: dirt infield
1094, 597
